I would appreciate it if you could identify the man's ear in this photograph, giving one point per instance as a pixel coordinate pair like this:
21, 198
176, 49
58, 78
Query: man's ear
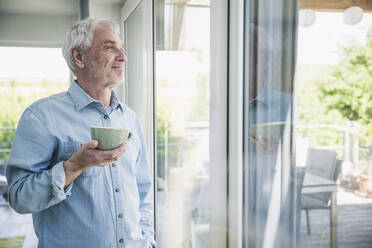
78, 58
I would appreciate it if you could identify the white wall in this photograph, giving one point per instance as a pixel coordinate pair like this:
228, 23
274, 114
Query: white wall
109, 11
41, 23
33, 30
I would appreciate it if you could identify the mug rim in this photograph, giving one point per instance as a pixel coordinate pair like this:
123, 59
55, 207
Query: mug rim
111, 128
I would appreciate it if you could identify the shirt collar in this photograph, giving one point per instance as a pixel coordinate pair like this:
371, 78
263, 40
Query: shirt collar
266, 95
81, 99
115, 102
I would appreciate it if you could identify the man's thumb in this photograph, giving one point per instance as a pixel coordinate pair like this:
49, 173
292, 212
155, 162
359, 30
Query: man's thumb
90, 144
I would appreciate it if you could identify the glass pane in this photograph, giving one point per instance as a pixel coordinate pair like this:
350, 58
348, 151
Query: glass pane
269, 180
26, 75
134, 46
182, 108
334, 83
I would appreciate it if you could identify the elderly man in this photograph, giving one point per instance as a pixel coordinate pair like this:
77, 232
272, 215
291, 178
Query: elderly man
80, 196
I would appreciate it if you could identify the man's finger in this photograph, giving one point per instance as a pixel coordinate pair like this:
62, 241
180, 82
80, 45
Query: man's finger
108, 161
90, 144
122, 149
112, 153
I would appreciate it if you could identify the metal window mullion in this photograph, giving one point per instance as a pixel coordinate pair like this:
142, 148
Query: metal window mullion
235, 123
218, 124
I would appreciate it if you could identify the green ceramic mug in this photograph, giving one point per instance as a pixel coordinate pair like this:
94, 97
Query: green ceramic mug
110, 137
269, 131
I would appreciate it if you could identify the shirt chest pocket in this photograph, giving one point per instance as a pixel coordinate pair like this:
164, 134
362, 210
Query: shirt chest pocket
132, 154
68, 149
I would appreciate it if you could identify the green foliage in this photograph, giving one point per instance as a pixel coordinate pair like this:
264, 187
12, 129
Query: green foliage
14, 98
348, 88
312, 110
200, 108
6, 138
163, 127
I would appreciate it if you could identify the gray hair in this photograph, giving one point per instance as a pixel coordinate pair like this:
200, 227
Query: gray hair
81, 35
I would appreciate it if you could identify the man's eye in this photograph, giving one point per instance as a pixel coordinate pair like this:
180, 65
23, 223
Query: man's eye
108, 47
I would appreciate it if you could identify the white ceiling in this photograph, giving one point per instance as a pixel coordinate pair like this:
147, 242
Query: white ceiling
44, 22
43, 7
48, 7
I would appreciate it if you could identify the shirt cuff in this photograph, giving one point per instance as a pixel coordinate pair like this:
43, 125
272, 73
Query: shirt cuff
58, 182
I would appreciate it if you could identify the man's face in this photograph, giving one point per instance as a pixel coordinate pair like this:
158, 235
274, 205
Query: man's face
105, 58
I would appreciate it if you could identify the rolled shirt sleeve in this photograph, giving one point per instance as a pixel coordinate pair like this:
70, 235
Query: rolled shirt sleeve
35, 183
58, 181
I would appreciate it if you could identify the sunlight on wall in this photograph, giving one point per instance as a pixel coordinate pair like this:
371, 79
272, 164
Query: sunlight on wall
33, 64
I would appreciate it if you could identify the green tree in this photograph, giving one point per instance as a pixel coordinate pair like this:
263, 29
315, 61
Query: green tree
311, 110
348, 88
200, 103
15, 96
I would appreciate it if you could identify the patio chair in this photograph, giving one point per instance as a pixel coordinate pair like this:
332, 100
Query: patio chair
322, 163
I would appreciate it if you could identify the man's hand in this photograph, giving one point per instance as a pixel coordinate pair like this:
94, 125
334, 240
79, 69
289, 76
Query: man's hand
264, 145
88, 156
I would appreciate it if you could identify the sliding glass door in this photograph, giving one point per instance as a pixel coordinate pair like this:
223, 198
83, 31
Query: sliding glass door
253, 68
138, 93
182, 120
269, 169
224, 168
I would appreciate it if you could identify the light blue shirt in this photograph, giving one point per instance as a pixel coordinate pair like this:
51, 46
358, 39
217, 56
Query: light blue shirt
268, 106
110, 206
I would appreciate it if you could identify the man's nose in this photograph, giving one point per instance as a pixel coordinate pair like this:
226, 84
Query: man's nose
121, 57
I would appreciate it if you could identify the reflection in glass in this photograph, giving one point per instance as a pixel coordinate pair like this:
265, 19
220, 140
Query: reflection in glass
182, 120
135, 45
269, 179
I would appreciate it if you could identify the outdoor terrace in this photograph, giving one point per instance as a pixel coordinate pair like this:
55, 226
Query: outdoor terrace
354, 225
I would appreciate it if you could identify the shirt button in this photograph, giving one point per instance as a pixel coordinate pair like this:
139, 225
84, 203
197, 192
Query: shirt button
117, 190
120, 216
105, 116
121, 240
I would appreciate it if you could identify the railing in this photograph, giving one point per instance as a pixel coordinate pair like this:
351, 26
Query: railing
5, 150
8, 128
350, 144
170, 149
